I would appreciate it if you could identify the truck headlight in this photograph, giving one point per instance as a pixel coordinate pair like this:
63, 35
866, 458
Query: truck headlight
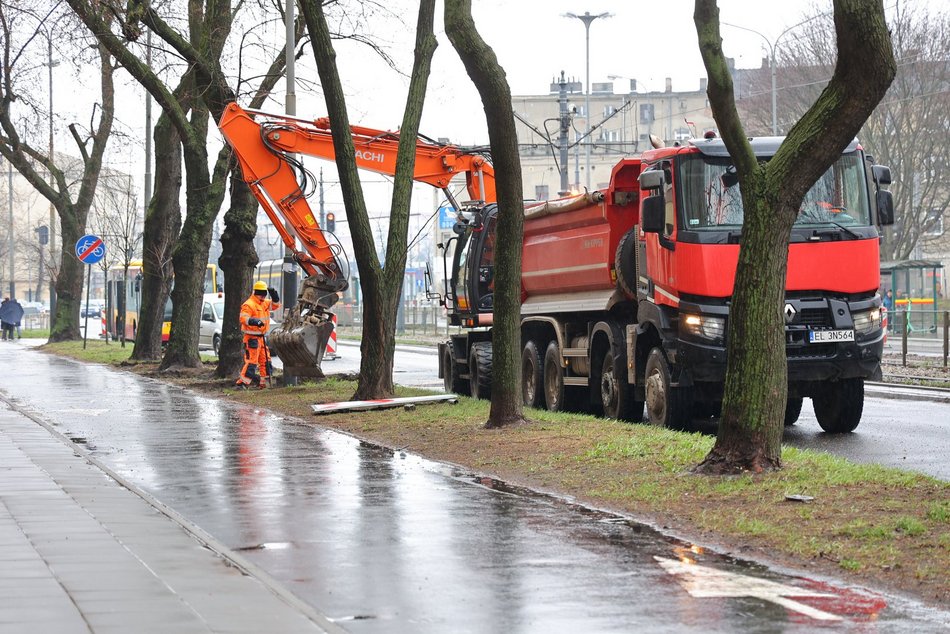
704, 326
867, 321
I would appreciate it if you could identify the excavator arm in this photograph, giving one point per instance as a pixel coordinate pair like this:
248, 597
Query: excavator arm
266, 146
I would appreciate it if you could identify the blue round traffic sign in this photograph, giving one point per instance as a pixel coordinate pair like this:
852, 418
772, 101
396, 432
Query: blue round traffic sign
90, 249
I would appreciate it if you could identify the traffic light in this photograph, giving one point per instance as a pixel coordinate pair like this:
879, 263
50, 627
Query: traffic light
331, 222
43, 232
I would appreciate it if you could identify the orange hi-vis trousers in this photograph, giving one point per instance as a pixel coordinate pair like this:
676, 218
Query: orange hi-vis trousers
256, 358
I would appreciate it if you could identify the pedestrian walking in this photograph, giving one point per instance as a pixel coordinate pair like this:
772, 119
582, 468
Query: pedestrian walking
18, 308
10, 315
255, 321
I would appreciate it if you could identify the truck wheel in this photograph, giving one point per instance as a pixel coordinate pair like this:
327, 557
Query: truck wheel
625, 263
216, 344
839, 406
616, 397
451, 381
793, 409
553, 379
479, 370
667, 406
531, 375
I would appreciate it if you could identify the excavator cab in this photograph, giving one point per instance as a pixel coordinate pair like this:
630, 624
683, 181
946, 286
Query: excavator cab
473, 269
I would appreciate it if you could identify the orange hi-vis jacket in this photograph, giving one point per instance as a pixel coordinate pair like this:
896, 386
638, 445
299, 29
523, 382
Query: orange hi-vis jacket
259, 307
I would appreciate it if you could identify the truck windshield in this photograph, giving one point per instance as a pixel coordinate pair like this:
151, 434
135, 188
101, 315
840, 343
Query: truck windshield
709, 194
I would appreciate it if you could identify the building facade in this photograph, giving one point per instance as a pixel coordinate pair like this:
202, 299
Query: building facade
622, 119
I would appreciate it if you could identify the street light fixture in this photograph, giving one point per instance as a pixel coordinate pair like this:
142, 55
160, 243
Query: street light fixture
772, 44
587, 18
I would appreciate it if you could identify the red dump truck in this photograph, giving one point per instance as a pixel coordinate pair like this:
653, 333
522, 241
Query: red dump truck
626, 290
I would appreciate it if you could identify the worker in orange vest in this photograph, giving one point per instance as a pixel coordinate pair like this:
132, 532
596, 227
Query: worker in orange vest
255, 320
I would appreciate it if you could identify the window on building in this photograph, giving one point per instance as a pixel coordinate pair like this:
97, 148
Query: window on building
646, 113
934, 222
541, 192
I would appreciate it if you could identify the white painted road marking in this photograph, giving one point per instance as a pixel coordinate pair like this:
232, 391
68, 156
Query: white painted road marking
704, 582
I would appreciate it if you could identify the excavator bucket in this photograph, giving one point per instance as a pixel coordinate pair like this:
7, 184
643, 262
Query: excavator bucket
301, 341
301, 346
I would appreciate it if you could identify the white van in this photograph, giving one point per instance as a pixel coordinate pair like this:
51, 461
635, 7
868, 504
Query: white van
212, 319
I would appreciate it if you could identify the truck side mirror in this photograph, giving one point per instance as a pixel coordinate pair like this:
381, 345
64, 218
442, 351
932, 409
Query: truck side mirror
652, 179
885, 208
881, 174
653, 214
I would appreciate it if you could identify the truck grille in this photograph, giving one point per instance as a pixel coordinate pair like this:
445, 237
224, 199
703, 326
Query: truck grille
814, 317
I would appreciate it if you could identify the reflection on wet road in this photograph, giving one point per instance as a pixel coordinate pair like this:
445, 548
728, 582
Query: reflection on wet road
385, 541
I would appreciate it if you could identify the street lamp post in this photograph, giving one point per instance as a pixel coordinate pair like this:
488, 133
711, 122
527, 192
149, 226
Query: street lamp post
52, 208
772, 44
587, 18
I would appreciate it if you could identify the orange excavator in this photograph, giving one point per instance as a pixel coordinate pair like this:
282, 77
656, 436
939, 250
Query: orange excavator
266, 146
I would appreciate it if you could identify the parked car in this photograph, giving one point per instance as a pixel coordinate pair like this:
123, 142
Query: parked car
212, 318
91, 317
34, 308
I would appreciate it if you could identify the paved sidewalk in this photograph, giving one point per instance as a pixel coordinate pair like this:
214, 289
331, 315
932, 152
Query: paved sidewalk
80, 552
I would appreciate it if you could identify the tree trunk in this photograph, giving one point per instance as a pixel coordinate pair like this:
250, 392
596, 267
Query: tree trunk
205, 194
64, 324
378, 343
237, 262
381, 288
489, 78
756, 387
162, 224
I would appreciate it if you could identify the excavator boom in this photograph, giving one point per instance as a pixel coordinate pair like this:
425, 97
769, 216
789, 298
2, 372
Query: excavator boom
265, 146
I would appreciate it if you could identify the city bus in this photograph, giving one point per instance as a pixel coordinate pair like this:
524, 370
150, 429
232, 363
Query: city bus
124, 299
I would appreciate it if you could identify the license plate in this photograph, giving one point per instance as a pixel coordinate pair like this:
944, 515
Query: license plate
826, 336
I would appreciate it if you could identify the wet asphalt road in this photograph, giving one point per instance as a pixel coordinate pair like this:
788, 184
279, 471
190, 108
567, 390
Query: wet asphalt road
383, 541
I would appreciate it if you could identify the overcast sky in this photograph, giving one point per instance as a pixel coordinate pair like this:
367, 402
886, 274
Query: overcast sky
534, 42
648, 41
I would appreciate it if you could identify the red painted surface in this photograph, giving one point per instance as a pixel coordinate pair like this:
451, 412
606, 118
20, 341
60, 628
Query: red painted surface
571, 251
856, 605
709, 270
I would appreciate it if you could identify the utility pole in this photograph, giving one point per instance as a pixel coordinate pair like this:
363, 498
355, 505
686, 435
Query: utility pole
564, 119
52, 209
290, 106
323, 215
148, 127
10, 197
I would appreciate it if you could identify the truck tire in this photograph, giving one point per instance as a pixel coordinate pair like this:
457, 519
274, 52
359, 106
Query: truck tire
532, 376
839, 406
625, 263
451, 381
553, 375
216, 345
479, 370
616, 397
793, 409
667, 406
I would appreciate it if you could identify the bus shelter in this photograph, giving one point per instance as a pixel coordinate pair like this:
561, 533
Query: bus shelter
916, 286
